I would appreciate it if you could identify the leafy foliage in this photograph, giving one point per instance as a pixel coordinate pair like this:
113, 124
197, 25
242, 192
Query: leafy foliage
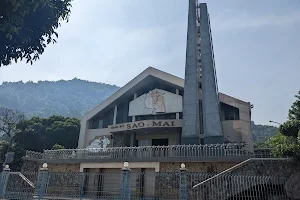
285, 146
290, 128
3, 150
37, 134
8, 120
287, 142
294, 112
28, 26
57, 147
46, 98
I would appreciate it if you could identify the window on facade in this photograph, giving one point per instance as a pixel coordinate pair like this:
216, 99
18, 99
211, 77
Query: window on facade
103, 120
229, 112
201, 117
122, 112
100, 125
180, 115
108, 118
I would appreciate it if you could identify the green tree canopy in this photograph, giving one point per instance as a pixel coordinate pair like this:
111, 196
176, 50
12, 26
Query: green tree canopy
294, 112
27, 26
37, 134
290, 128
287, 142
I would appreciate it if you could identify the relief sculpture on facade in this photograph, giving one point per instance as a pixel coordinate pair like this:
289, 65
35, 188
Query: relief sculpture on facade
155, 101
98, 144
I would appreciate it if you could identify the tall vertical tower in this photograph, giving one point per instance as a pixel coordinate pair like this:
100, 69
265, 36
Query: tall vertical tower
191, 122
200, 73
213, 132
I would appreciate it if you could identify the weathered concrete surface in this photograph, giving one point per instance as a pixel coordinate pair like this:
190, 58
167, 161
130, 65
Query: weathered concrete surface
279, 168
292, 186
210, 167
33, 166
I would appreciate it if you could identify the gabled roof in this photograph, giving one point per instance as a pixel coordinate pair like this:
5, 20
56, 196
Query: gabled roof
150, 71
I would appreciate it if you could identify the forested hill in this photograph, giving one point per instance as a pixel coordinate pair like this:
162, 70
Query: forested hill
74, 98
45, 98
262, 133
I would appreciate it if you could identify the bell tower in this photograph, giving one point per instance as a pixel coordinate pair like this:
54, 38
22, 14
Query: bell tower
201, 106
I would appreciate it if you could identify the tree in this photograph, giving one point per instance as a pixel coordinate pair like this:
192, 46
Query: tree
287, 142
9, 119
290, 128
4, 145
28, 26
294, 112
37, 134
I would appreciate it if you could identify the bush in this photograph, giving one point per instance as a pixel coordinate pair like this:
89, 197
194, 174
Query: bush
57, 147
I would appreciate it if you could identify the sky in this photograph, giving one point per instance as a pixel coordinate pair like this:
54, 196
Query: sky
256, 46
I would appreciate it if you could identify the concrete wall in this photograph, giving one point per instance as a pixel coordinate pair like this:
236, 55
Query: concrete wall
91, 134
33, 166
64, 167
119, 165
241, 126
210, 167
276, 168
30, 166
232, 131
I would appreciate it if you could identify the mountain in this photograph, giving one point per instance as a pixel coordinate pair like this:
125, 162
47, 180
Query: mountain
45, 98
74, 98
262, 133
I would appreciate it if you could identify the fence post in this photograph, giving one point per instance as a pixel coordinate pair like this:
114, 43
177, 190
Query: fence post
82, 186
125, 182
42, 181
183, 182
4, 180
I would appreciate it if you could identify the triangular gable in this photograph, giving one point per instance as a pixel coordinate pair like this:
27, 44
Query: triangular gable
150, 71
155, 102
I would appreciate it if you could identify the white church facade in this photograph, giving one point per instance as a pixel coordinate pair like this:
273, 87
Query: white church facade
148, 111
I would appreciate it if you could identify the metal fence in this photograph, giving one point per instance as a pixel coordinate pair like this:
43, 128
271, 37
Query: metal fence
140, 185
144, 153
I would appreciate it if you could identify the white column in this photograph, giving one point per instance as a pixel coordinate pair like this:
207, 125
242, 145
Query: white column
177, 92
134, 97
83, 130
115, 115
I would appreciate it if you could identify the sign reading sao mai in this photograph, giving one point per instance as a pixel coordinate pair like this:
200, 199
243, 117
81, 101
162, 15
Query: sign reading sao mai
145, 124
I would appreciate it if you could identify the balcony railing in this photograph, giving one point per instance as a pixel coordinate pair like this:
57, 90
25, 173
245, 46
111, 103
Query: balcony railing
211, 152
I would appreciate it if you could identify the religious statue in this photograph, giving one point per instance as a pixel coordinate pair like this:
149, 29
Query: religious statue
105, 142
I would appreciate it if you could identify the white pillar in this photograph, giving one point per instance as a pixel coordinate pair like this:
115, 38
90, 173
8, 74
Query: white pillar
83, 131
134, 97
177, 92
115, 115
